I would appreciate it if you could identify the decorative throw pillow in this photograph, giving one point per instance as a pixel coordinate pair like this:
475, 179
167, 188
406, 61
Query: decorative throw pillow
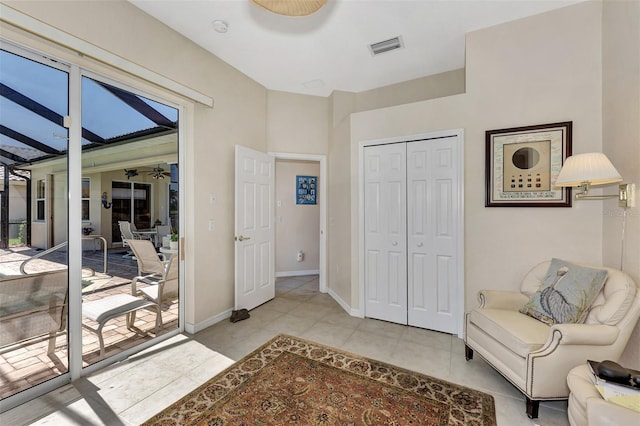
565, 294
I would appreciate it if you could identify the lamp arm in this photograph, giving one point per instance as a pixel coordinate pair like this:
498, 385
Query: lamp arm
625, 194
582, 196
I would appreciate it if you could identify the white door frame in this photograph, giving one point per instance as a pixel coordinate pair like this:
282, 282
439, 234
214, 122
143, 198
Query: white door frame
322, 184
459, 134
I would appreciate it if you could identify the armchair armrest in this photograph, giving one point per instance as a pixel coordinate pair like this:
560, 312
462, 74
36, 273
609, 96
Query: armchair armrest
152, 279
499, 299
568, 345
586, 334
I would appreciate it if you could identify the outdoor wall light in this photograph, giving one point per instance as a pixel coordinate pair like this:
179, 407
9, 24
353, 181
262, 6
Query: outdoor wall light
105, 201
594, 168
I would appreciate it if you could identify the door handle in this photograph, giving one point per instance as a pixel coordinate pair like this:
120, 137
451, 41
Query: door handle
395, 243
242, 238
419, 244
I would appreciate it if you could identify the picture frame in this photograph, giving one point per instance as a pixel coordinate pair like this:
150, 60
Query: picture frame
306, 189
522, 164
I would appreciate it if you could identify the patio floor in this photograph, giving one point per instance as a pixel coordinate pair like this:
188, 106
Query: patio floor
27, 364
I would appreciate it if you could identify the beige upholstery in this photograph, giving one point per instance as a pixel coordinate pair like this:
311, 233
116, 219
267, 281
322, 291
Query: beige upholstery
536, 357
33, 305
586, 406
110, 307
148, 259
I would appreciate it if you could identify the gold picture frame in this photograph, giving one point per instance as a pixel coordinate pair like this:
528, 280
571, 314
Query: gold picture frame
522, 163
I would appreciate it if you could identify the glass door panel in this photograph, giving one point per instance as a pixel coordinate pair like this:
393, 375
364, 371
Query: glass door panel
121, 208
129, 143
33, 248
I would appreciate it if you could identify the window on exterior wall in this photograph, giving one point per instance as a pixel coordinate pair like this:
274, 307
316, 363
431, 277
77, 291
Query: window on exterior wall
40, 199
86, 198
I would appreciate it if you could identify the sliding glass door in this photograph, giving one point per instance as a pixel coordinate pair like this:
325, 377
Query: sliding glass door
129, 140
34, 255
78, 154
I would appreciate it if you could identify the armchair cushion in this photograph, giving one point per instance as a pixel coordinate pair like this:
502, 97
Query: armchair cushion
520, 333
566, 293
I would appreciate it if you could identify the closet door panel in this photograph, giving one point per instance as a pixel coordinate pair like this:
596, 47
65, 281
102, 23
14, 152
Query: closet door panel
385, 233
432, 233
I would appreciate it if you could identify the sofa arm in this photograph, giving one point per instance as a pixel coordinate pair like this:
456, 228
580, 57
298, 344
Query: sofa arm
498, 299
586, 334
601, 412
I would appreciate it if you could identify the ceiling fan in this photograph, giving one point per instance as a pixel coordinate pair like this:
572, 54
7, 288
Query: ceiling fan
158, 173
130, 173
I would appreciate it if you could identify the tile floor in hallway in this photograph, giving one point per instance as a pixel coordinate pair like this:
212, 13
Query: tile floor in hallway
129, 392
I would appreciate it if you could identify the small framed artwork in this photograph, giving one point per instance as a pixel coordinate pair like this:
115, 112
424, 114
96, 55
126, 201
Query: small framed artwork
306, 189
522, 163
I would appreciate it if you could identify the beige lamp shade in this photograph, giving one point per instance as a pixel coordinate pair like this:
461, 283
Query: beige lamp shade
291, 7
593, 168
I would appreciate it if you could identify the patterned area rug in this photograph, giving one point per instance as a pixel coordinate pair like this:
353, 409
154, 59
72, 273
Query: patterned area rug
293, 381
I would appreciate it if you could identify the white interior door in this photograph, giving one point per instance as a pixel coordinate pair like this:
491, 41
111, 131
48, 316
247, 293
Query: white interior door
254, 228
432, 216
385, 232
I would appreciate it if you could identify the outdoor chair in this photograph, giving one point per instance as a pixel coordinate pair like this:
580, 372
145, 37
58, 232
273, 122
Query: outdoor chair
149, 261
158, 288
127, 232
110, 307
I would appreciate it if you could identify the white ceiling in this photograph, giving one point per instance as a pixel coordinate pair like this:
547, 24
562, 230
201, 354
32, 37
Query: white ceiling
329, 50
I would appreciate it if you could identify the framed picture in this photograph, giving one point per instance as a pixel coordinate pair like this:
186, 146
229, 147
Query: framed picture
306, 189
522, 164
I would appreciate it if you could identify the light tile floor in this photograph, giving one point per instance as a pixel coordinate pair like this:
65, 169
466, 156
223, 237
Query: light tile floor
132, 391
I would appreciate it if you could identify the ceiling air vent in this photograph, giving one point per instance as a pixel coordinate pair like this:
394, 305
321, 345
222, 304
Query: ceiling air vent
385, 46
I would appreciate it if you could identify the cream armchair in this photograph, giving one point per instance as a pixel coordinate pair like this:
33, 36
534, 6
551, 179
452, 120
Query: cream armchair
535, 357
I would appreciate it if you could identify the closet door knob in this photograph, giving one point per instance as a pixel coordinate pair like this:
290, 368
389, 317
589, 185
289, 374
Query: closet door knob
419, 244
395, 243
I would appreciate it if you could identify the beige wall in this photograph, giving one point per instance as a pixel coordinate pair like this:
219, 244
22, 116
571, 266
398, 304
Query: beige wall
297, 123
621, 139
434, 86
508, 89
339, 209
297, 225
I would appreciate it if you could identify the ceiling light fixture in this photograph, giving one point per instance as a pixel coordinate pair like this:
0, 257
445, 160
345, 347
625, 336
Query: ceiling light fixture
220, 26
291, 7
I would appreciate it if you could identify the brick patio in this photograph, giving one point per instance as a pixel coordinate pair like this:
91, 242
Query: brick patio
27, 364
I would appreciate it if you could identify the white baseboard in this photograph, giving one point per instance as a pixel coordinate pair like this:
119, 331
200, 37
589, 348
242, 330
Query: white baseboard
351, 311
194, 328
224, 315
297, 273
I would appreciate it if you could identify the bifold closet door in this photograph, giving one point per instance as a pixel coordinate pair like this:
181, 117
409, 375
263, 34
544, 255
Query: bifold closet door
385, 218
432, 212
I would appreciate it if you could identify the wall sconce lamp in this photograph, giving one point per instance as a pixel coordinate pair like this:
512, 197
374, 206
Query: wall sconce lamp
594, 168
105, 202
